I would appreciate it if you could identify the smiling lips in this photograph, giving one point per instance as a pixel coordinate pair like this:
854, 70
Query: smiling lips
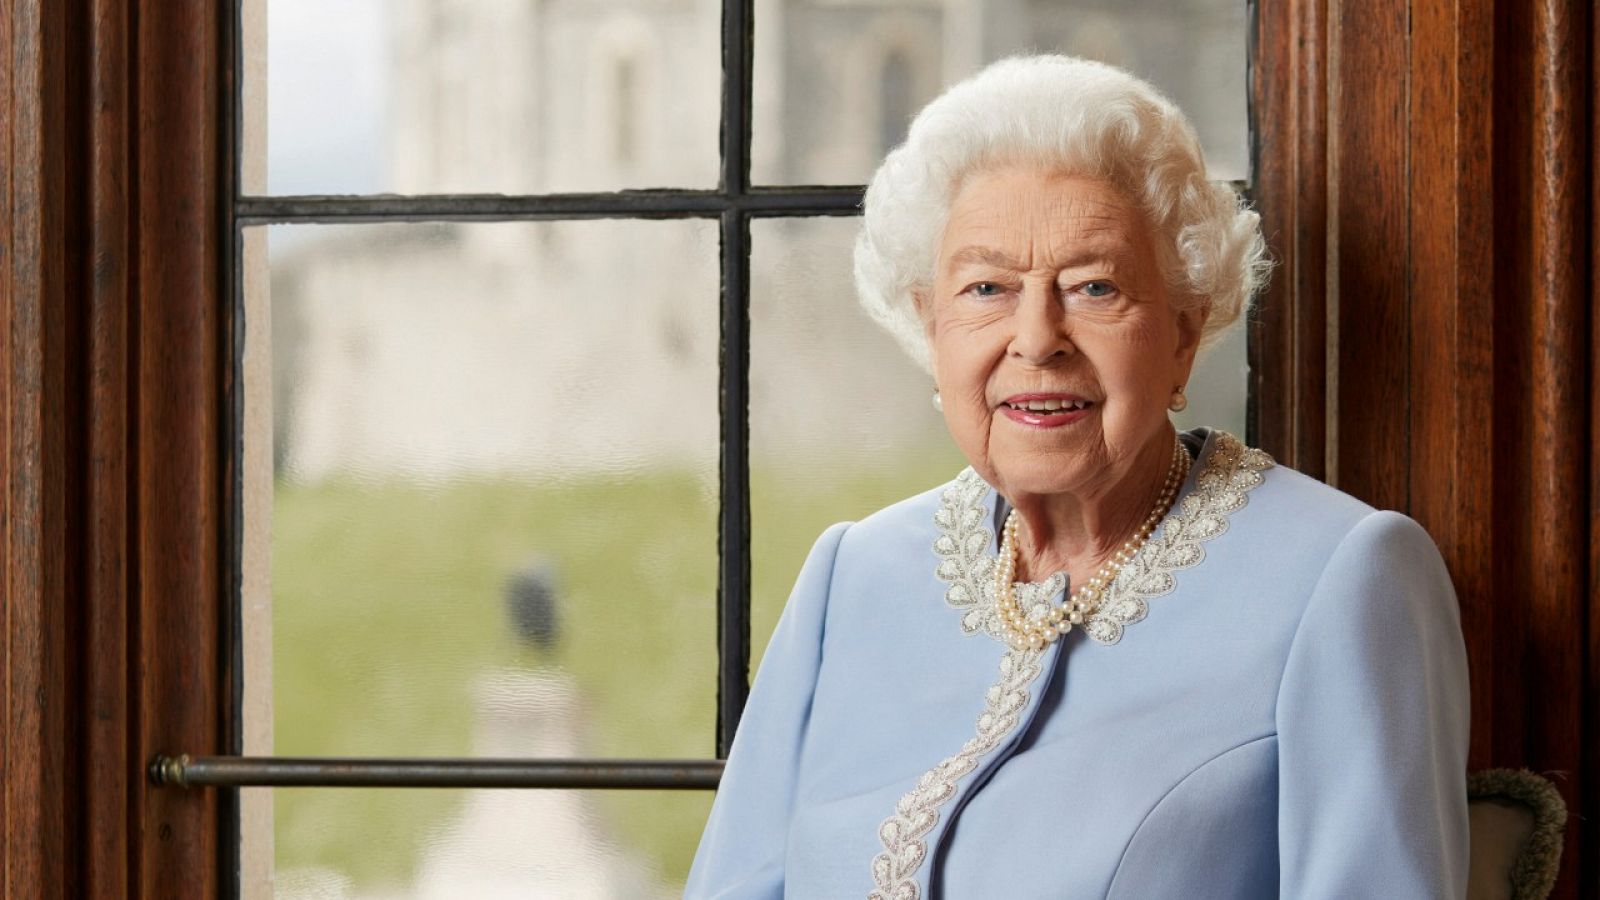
1045, 410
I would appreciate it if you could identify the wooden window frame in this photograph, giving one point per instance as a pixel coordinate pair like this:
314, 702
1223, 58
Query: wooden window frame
112, 270
1427, 180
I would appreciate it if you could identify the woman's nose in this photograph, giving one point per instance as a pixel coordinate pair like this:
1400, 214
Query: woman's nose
1042, 334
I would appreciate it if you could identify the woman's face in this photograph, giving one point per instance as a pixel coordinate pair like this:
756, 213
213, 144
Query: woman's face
1055, 346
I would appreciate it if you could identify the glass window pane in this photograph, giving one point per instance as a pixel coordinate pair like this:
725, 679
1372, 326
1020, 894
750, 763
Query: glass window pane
493, 533
1219, 386
837, 84
391, 843
465, 96
495, 452
841, 420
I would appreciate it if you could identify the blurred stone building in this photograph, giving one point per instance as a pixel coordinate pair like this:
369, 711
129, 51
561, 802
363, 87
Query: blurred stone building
441, 349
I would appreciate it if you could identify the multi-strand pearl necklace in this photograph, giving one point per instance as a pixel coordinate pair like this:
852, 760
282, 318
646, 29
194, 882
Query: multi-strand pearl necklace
1030, 632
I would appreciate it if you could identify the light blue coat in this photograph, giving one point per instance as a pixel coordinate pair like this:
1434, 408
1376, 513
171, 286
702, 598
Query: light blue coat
1272, 702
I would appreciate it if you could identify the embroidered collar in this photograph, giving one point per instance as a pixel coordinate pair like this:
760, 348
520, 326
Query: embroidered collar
1217, 487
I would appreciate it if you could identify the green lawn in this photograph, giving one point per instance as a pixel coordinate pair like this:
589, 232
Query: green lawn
388, 606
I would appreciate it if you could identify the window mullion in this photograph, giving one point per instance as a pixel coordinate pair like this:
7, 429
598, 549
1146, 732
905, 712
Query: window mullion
733, 538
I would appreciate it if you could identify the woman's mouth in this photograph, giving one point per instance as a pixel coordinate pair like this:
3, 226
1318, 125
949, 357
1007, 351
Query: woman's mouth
1046, 410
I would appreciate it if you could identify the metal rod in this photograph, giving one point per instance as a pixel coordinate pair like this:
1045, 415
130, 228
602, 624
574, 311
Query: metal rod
652, 204
230, 165
249, 771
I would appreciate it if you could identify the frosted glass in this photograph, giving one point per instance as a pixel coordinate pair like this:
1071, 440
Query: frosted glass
836, 84
841, 422
493, 533
488, 96
432, 844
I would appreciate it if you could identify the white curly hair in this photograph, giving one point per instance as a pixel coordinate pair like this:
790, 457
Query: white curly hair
1063, 114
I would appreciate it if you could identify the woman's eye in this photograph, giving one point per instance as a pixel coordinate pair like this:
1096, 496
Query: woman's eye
985, 289
1098, 288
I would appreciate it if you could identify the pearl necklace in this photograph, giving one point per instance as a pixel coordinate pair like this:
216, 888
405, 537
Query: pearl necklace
1026, 632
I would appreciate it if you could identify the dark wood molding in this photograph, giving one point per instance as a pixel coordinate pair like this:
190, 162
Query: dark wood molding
1288, 345
1589, 831
180, 422
107, 739
1370, 256
110, 286
32, 283
1459, 299
1550, 330
1449, 334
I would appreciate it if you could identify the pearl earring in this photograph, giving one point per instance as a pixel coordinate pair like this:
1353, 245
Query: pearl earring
1179, 402
937, 403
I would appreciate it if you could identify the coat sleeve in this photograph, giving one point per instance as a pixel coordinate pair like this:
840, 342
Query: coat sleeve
741, 855
1372, 725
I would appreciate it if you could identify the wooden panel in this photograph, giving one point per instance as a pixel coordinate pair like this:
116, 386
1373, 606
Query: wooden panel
1541, 373
106, 741
178, 397
1512, 190
1288, 340
1558, 351
109, 292
1588, 828
35, 842
1461, 298
1370, 254
10, 576
1451, 383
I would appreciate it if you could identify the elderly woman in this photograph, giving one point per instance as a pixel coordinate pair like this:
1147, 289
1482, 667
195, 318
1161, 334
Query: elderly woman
1107, 659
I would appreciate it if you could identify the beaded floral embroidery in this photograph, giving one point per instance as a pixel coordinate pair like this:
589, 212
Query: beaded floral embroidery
1230, 470
904, 834
965, 562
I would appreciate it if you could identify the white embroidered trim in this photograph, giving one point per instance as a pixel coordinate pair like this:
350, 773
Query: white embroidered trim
1230, 470
965, 560
904, 834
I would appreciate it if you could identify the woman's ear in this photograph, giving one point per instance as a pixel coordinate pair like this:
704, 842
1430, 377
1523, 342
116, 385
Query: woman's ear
1191, 325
